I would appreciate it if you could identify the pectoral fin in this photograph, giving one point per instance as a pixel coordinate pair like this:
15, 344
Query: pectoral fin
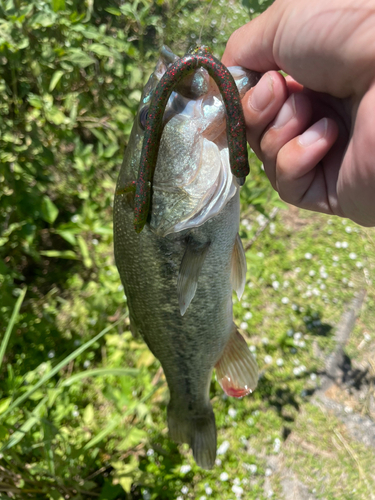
237, 370
188, 275
238, 267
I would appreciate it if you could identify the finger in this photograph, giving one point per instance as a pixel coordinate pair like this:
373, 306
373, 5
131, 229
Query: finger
251, 46
300, 179
292, 119
261, 105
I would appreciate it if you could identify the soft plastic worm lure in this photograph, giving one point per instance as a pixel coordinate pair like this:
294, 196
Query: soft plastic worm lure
236, 129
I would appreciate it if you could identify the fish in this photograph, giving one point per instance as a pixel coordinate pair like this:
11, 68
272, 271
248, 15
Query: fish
179, 272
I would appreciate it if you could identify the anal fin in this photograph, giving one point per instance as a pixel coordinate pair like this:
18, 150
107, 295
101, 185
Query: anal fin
238, 267
188, 275
237, 370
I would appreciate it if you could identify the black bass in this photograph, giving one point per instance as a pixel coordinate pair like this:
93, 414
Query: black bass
179, 272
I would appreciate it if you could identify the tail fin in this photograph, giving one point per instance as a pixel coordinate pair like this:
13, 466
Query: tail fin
199, 432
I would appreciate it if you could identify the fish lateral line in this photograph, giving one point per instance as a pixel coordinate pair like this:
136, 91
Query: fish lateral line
236, 128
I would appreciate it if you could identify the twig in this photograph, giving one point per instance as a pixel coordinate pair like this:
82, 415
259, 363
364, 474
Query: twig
262, 228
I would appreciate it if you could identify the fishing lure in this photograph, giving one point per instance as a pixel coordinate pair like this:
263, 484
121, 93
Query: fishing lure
236, 129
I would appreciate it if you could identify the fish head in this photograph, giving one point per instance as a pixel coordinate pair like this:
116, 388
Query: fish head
192, 180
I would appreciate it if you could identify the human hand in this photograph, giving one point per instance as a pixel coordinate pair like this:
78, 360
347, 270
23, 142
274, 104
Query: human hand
316, 137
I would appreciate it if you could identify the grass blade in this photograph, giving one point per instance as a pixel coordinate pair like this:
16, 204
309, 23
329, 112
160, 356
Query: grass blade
116, 421
100, 372
11, 324
61, 365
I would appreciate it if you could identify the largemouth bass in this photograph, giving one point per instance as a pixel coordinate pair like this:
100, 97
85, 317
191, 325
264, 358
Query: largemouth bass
179, 272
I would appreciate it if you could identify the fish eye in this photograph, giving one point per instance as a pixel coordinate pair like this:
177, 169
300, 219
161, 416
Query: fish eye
143, 114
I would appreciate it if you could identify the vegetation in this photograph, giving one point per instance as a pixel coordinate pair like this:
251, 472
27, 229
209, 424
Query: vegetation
82, 404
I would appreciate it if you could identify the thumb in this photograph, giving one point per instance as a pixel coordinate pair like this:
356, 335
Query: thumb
251, 46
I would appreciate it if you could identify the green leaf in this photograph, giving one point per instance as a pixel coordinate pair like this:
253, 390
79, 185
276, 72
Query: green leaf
80, 58
100, 50
60, 254
4, 403
134, 437
111, 150
49, 210
113, 10
54, 115
58, 5
55, 79
12, 322
85, 252
68, 236
61, 365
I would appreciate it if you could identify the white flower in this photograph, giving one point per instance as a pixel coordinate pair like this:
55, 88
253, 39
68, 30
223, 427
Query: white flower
252, 468
237, 481
75, 218
185, 469
87, 363
218, 462
180, 498
261, 219
237, 490
359, 264
223, 448
252, 348
348, 229
268, 359
272, 228
250, 421
279, 362
268, 472
335, 258
344, 244
276, 445
338, 244
150, 452
51, 354
232, 412
297, 335
184, 490
248, 316
265, 340
352, 255
243, 325
311, 273
275, 285
285, 300
203, 498
95, 241
75, 413
313, 376
224, 476
308, 255
208, 490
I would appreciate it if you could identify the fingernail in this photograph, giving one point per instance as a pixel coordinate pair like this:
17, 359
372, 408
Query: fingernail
314, 133
286, 113
262, 93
